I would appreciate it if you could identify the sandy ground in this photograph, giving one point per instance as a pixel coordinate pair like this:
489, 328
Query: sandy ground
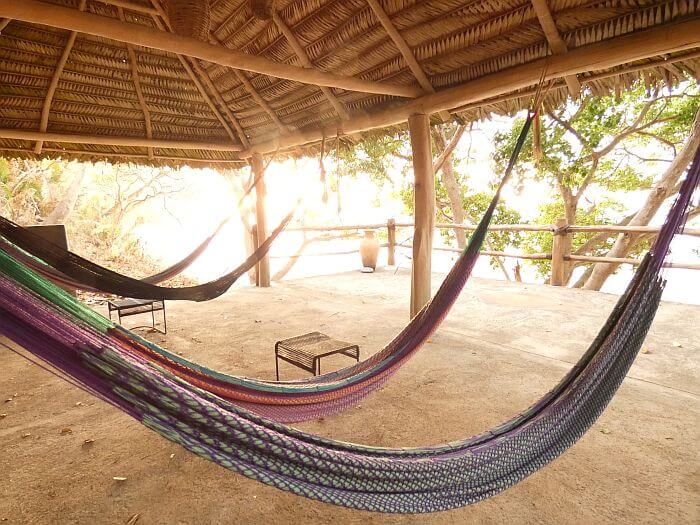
502, 347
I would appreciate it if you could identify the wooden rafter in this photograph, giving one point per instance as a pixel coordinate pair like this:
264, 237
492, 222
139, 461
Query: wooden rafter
405, 51
556, 42
672, 38
36, 12
201, 73
306, 62
217, 94
135, 77
243, 79
402, 45
105, 140
118, 156
190, 68
46, 106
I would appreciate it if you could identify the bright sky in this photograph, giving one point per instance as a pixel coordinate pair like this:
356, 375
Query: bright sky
210, 198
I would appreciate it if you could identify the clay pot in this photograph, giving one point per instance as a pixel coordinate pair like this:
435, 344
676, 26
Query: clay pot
369, 250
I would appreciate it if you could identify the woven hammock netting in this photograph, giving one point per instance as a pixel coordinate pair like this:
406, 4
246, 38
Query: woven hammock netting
91, 354
396, 480
88, 275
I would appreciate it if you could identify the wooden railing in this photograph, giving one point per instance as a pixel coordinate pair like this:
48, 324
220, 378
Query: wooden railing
560, 256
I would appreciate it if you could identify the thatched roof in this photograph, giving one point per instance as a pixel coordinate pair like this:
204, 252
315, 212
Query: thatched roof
115, 89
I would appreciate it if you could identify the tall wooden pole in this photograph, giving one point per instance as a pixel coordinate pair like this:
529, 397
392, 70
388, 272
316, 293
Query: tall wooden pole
256, 163
424, 206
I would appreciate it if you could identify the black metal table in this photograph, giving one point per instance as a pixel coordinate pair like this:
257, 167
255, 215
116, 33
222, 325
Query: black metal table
305, 351
129, 307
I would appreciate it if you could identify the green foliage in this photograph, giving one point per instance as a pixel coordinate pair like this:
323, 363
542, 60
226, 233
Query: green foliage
604, 212
474, 205
4, 171
599, 145
109, 206
575, 139
375, 155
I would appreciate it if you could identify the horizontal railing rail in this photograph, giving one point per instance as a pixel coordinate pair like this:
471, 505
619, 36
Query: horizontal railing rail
561, 257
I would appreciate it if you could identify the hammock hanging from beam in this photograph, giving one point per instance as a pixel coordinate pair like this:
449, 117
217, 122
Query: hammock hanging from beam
307, 398
303, 399
404, 480
64, 281
66, 267
28, 245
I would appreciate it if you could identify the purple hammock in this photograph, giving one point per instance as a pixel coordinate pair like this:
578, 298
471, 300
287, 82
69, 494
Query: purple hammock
404, 480
287, 401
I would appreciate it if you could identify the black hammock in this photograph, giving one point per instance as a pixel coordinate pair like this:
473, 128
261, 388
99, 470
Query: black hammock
98, 277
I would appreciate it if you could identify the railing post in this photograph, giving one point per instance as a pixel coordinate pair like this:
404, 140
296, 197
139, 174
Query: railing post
391, 234
561, 248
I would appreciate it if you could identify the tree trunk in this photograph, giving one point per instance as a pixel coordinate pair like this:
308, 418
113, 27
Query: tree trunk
658, 194
63, 209
454, 192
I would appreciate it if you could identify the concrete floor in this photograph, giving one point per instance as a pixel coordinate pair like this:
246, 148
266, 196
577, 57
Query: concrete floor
502, 347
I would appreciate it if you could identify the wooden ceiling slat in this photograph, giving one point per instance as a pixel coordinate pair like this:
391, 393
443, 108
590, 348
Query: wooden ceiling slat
65, 18
137, 86
306, 62
677, 37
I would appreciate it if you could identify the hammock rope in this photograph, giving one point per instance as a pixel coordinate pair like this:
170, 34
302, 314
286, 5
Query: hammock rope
404, 480
292, 400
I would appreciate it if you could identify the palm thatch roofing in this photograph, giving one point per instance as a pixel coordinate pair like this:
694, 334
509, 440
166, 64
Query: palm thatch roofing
135, 89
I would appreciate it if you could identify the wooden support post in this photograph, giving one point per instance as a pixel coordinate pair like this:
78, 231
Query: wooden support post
256, 163
391, 235
561, 248
424, 206
255, 277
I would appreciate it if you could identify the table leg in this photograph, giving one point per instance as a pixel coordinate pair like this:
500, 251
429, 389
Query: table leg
165, 321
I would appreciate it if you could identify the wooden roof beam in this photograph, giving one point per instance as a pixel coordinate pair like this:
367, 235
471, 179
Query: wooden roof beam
46, 106
306, 62
139, 142
120, 156
137, 86
556, 42
405, 50
613, 52
201, 73
36, 12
